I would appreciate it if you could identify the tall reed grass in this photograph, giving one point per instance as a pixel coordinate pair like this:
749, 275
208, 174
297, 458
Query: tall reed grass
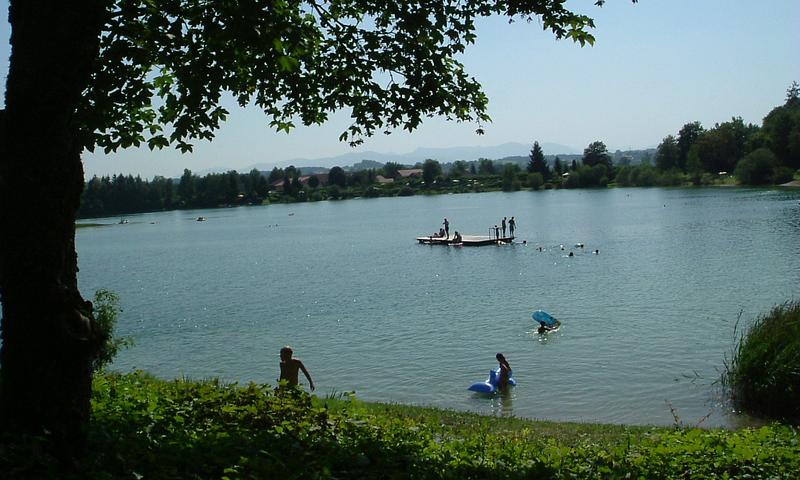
763, 374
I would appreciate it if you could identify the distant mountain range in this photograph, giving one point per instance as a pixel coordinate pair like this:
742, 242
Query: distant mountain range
442, 155
506, 153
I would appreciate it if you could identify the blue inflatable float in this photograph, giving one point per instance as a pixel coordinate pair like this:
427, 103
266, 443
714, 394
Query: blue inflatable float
490, 385
542, 316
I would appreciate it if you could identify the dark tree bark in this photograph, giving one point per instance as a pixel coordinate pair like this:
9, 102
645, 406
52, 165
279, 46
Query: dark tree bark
48, 333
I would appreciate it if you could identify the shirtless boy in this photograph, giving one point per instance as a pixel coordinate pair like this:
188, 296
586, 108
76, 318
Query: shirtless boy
290, 366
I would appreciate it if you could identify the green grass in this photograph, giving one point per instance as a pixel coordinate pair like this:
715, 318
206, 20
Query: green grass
764, 372
146, 428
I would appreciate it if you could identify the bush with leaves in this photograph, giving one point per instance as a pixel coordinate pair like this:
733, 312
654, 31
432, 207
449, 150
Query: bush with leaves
106, 311
764, 373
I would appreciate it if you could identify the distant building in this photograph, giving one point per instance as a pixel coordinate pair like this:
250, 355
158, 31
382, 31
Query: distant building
410, 172
322, 177
304, 179
382, 179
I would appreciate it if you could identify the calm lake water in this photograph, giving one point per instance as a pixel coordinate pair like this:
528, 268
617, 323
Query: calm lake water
647, 323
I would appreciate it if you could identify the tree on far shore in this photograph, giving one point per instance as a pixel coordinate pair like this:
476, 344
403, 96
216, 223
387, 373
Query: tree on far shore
597, 154
667, 154
537, 162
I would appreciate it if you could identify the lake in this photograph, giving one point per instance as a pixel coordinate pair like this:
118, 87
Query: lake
647, 322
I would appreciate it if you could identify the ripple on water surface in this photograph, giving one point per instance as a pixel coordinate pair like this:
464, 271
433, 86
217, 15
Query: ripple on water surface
646, 323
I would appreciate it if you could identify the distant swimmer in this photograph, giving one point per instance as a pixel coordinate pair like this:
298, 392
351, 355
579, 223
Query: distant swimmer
597, 252
543, 328
571, 254
562, 247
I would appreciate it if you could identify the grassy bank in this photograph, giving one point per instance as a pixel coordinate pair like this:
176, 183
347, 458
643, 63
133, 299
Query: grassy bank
147, 428
764, 372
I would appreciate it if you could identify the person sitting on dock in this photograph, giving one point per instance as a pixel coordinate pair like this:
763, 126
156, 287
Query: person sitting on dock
457, 237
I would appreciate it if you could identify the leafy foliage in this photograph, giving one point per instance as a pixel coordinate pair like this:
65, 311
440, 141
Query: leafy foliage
430, 170
757, 168
764, 373
597, 154
147, 428
165, 66
782, 128
106, 310
668, 154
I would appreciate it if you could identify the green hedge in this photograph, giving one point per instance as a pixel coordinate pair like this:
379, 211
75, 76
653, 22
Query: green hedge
146, 428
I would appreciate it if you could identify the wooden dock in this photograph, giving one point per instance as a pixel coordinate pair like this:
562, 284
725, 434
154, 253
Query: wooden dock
466, 240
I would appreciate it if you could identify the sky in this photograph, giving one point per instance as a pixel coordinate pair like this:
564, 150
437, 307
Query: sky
655, 66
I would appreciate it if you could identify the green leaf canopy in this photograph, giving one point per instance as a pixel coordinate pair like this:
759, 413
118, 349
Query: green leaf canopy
165, 65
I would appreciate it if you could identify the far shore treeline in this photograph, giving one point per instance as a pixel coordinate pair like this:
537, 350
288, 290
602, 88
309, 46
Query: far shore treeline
729, 152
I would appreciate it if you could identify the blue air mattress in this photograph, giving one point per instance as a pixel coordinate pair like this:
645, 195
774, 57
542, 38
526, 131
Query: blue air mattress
490, 385
542, 316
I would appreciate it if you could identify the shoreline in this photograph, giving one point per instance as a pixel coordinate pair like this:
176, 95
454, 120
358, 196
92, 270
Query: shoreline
792, 184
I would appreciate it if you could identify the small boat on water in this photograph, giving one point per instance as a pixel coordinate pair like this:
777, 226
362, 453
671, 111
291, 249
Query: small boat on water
201, 219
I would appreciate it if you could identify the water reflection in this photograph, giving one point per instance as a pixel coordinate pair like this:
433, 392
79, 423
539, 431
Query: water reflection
502, 403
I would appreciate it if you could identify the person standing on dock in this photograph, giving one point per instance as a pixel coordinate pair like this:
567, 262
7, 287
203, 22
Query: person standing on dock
446, 228
496, 232
503, 226
511, 226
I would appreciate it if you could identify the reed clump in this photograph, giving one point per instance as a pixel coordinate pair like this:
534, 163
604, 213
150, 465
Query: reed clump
764, 372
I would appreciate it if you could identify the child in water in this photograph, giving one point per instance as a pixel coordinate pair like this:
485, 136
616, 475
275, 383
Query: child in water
543, 328
290, 367
505, 372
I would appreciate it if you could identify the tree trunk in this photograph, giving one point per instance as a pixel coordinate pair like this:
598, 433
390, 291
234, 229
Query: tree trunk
48, 334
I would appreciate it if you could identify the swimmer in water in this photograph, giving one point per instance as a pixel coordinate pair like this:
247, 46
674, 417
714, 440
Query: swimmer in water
505, 372
543, 328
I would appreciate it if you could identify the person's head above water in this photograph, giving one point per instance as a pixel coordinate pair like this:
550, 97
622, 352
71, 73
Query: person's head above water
500, 357
286, 352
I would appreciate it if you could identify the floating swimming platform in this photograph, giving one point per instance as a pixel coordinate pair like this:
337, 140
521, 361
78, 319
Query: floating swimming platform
466, 240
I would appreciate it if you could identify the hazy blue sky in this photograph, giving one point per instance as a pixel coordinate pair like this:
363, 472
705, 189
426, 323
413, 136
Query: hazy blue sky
655, 66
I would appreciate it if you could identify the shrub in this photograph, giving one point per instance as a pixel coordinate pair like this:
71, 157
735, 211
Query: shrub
782, 175
536, 180
764, 373
106, 310
406, 191
756, 168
